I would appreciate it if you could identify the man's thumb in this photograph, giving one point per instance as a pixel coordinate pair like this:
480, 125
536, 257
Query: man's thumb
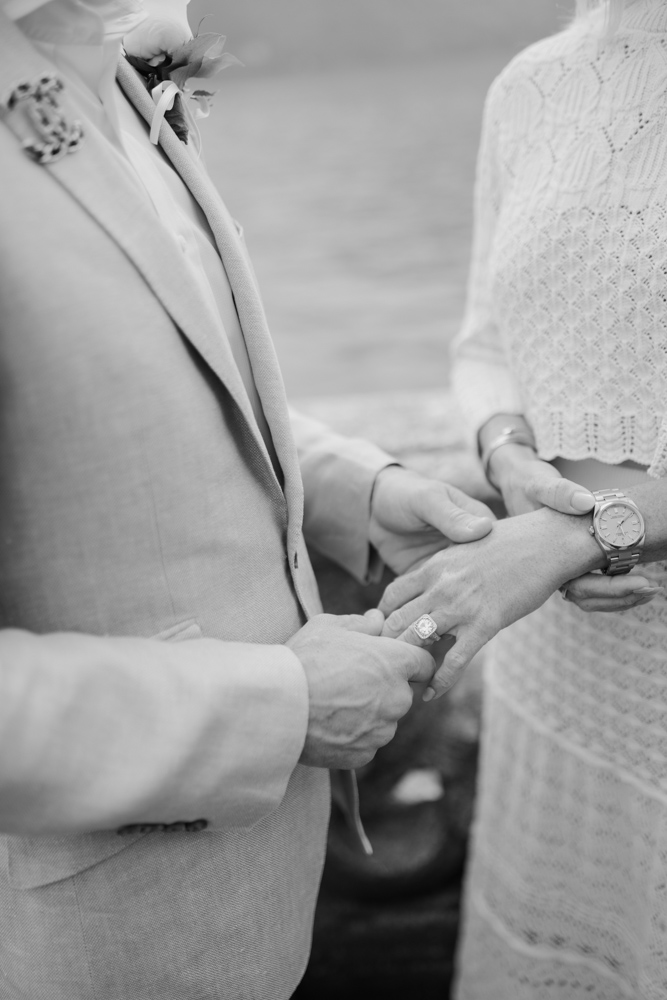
371, 623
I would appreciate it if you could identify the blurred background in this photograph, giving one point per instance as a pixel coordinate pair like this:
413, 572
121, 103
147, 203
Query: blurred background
346, 148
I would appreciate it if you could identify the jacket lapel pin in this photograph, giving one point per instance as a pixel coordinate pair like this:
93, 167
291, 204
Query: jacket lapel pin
34, 113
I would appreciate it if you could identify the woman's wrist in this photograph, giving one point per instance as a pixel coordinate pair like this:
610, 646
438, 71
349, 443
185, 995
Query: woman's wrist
506, 460
498, 435
567, 543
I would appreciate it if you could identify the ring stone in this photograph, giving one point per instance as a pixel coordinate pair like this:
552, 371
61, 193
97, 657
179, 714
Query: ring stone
425, 627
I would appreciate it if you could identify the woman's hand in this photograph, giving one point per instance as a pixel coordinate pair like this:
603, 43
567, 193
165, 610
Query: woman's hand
527, 483
594, 592
472, 591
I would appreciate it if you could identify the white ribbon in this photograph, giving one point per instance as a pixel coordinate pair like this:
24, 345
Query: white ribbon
164, 95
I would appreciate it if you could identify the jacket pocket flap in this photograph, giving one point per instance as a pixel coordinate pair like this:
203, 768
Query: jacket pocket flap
35, 861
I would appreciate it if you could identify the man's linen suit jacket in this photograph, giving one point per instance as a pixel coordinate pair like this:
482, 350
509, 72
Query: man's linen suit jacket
138, 499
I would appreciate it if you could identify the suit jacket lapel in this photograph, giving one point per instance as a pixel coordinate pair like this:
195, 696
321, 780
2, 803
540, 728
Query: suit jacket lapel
95, 178
266, 370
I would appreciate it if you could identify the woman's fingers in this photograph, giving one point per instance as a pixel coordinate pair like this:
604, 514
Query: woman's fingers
601, 585
559, 494
400, 591
412, 636
468, 643
599, 592
400, 621
608, 605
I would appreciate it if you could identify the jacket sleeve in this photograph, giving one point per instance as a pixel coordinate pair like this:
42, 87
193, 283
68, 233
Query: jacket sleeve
481, 378
338, 476
98, 733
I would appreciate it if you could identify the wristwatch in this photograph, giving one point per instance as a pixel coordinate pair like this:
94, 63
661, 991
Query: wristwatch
618, 528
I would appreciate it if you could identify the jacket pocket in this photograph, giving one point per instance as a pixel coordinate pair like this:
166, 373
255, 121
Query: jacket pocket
36, 861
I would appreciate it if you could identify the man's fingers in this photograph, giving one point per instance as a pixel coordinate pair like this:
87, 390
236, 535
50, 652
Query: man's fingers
418, 663
559, 494
455, 514
371, 623
374, 619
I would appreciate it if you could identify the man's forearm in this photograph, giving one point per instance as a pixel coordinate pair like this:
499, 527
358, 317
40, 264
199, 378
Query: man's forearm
97, 733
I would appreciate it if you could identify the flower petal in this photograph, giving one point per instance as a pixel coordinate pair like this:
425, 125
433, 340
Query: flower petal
153, 38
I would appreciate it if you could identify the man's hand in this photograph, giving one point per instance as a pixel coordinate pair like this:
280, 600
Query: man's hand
359, 686
475, 590
413, 517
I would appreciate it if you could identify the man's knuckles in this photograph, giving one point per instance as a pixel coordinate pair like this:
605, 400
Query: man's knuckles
385, 735
369, 624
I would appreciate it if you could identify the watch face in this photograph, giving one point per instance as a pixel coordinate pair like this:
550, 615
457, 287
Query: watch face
620, 525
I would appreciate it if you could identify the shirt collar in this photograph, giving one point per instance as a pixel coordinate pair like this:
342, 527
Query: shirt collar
74, 22
82, 38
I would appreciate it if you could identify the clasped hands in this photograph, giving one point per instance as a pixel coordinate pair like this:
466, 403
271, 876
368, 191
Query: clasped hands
473, 576
473, 591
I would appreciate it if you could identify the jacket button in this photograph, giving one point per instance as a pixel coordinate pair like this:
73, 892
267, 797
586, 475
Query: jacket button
196, 826
126, 831
132, 828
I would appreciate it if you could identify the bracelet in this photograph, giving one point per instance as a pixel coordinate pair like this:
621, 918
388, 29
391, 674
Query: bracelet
508, 435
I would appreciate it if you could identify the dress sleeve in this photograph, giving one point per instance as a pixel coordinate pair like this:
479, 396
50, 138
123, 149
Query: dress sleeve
481, 378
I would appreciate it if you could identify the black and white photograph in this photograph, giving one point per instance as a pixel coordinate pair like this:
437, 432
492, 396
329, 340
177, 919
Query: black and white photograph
333, 533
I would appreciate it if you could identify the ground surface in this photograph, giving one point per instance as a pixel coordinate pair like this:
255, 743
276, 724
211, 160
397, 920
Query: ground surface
397, 951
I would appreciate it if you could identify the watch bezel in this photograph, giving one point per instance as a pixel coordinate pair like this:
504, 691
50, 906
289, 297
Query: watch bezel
600, 508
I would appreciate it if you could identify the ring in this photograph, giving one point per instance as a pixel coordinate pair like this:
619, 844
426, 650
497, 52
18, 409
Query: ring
426, 629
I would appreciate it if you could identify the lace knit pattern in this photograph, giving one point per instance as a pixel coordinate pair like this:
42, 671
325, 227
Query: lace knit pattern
569, 279
567, 886
566, 893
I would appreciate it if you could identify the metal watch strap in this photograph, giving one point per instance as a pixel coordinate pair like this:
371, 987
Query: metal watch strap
623, 561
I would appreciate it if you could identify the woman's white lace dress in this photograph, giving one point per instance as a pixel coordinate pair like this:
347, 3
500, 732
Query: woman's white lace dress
567, 322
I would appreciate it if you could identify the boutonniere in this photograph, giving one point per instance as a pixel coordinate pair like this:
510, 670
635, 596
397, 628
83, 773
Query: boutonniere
176, 71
